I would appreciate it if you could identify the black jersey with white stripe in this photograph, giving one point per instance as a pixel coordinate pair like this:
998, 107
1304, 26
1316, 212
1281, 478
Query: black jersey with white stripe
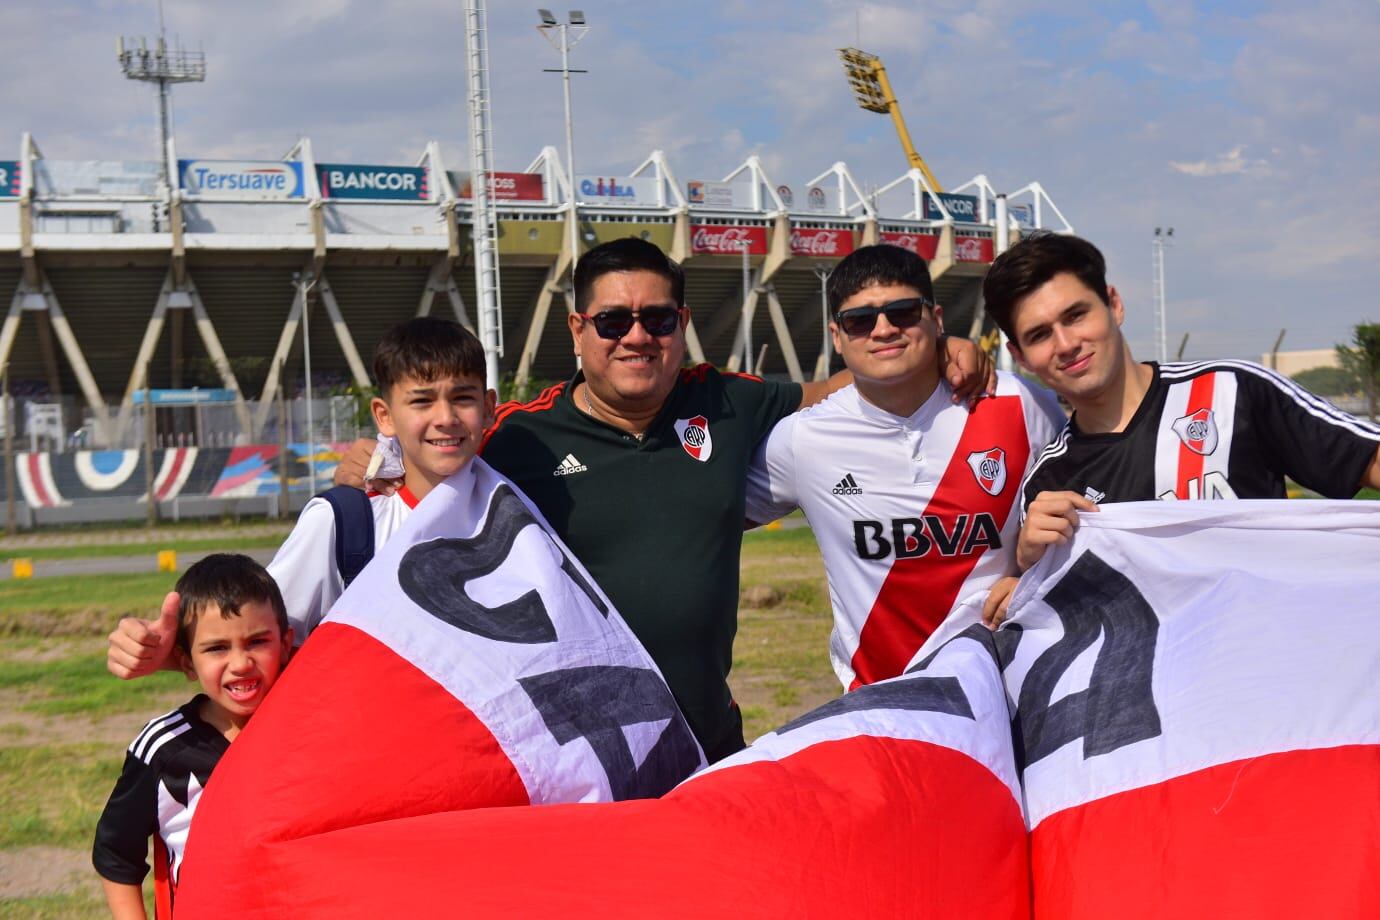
166, 767
1212, 429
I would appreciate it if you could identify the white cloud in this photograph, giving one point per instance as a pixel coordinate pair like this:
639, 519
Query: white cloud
1225, 164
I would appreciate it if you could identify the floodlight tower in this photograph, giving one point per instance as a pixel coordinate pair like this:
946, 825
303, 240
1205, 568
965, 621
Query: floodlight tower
1163, 237
872, 91
563, 41
483, 214
164, 67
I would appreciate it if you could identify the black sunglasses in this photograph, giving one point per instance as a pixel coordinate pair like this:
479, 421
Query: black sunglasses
614, 324
900, 313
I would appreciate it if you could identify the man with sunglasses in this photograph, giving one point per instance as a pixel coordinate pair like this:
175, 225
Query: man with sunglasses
640, 464
913, 500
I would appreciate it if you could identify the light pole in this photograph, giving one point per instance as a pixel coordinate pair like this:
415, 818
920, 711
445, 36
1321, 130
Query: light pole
304, 284
822, 272
1163, 237
560, 37
747, 319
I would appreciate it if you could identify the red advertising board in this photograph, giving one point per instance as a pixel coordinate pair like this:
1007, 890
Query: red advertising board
821, 241
718, 240
973, 248
507, 186
924, 245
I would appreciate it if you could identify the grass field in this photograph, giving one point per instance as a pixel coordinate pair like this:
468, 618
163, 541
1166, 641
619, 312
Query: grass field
64, 721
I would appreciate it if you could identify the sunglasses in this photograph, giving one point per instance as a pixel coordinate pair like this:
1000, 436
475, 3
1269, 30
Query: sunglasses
614, 324
900, 313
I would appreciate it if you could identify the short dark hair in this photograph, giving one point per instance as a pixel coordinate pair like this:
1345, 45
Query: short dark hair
629, 254
229, 581
427, 348
873, 265
1032, 263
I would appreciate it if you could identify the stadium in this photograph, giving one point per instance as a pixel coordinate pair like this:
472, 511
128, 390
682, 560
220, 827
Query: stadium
198, 297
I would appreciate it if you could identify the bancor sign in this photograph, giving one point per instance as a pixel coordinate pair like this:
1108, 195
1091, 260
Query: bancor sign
715, 239
388, 183
9, 179
241, 179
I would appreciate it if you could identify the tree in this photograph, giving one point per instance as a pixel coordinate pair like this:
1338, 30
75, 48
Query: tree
1363, 359
1328, 381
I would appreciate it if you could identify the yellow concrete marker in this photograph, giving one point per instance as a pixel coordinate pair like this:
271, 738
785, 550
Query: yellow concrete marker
22, 568
774, 525
167, 560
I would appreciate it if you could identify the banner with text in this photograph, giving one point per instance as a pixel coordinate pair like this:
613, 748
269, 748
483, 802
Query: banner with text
973, 248
9, 178
240, 180
962, 208
503, 186
376, 183
621, 191
924, 245
825, 242
718, 240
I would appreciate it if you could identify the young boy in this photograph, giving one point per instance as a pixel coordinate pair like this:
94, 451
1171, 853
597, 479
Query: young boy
430, 373
233, 637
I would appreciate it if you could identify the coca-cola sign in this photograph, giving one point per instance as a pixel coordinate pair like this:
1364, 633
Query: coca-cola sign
821, 242
923, 245
973, 249
718, 240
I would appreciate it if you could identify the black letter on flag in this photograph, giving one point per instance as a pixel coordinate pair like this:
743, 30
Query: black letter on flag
596, 703
911, 693
1118, 708
434, 575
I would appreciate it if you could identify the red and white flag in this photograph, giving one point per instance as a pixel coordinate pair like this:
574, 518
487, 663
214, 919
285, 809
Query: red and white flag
898, 799
474, 663
1197, 711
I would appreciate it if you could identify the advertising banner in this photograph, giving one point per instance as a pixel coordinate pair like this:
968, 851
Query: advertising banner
816, 199
376, 183
963, 208
718, 194
713, 239
820, 241
923, 245
238, 180
9, 178
973, 248
619, 190
103, 178
1022, 214
503, 186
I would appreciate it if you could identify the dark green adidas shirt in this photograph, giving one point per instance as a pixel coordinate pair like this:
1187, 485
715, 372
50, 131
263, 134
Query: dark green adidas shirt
657, 522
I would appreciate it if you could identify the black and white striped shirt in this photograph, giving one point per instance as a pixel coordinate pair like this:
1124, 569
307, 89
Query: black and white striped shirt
1212, 429
166, 767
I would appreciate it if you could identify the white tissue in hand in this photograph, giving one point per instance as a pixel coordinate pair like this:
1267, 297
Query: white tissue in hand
386, 463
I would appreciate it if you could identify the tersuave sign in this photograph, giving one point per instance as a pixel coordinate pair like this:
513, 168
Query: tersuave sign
378, 183
241, 179
712, 239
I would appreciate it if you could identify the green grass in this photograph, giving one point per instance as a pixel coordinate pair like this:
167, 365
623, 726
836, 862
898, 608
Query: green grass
51, 795
1369, 494
148, 550
57, 907
82, 686
79, 605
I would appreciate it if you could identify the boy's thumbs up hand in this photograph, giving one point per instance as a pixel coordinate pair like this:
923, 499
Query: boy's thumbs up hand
140, 647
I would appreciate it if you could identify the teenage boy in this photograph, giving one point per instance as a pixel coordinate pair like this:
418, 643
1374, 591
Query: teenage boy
430, 373
1184, 430
913, 499
233, 637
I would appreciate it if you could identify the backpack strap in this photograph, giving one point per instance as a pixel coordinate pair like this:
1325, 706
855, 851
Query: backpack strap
354, 530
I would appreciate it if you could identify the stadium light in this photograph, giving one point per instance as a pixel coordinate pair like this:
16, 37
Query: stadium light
1163, 237
872, 91
163, 67
559, 35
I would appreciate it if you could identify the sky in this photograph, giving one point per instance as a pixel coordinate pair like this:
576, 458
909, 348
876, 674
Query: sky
1253, 129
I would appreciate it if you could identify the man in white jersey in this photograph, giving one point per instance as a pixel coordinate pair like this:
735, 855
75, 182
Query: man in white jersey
913, 499
1186, 430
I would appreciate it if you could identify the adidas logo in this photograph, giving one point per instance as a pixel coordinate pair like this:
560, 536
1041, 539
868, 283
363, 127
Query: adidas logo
569, 465
1093, 495
847, 486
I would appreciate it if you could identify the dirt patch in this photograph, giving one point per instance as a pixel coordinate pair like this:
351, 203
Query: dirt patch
92, 621
30, 872
54, 650
28, 729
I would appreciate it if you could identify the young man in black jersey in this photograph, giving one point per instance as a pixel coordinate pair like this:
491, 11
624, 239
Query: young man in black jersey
1140, 431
